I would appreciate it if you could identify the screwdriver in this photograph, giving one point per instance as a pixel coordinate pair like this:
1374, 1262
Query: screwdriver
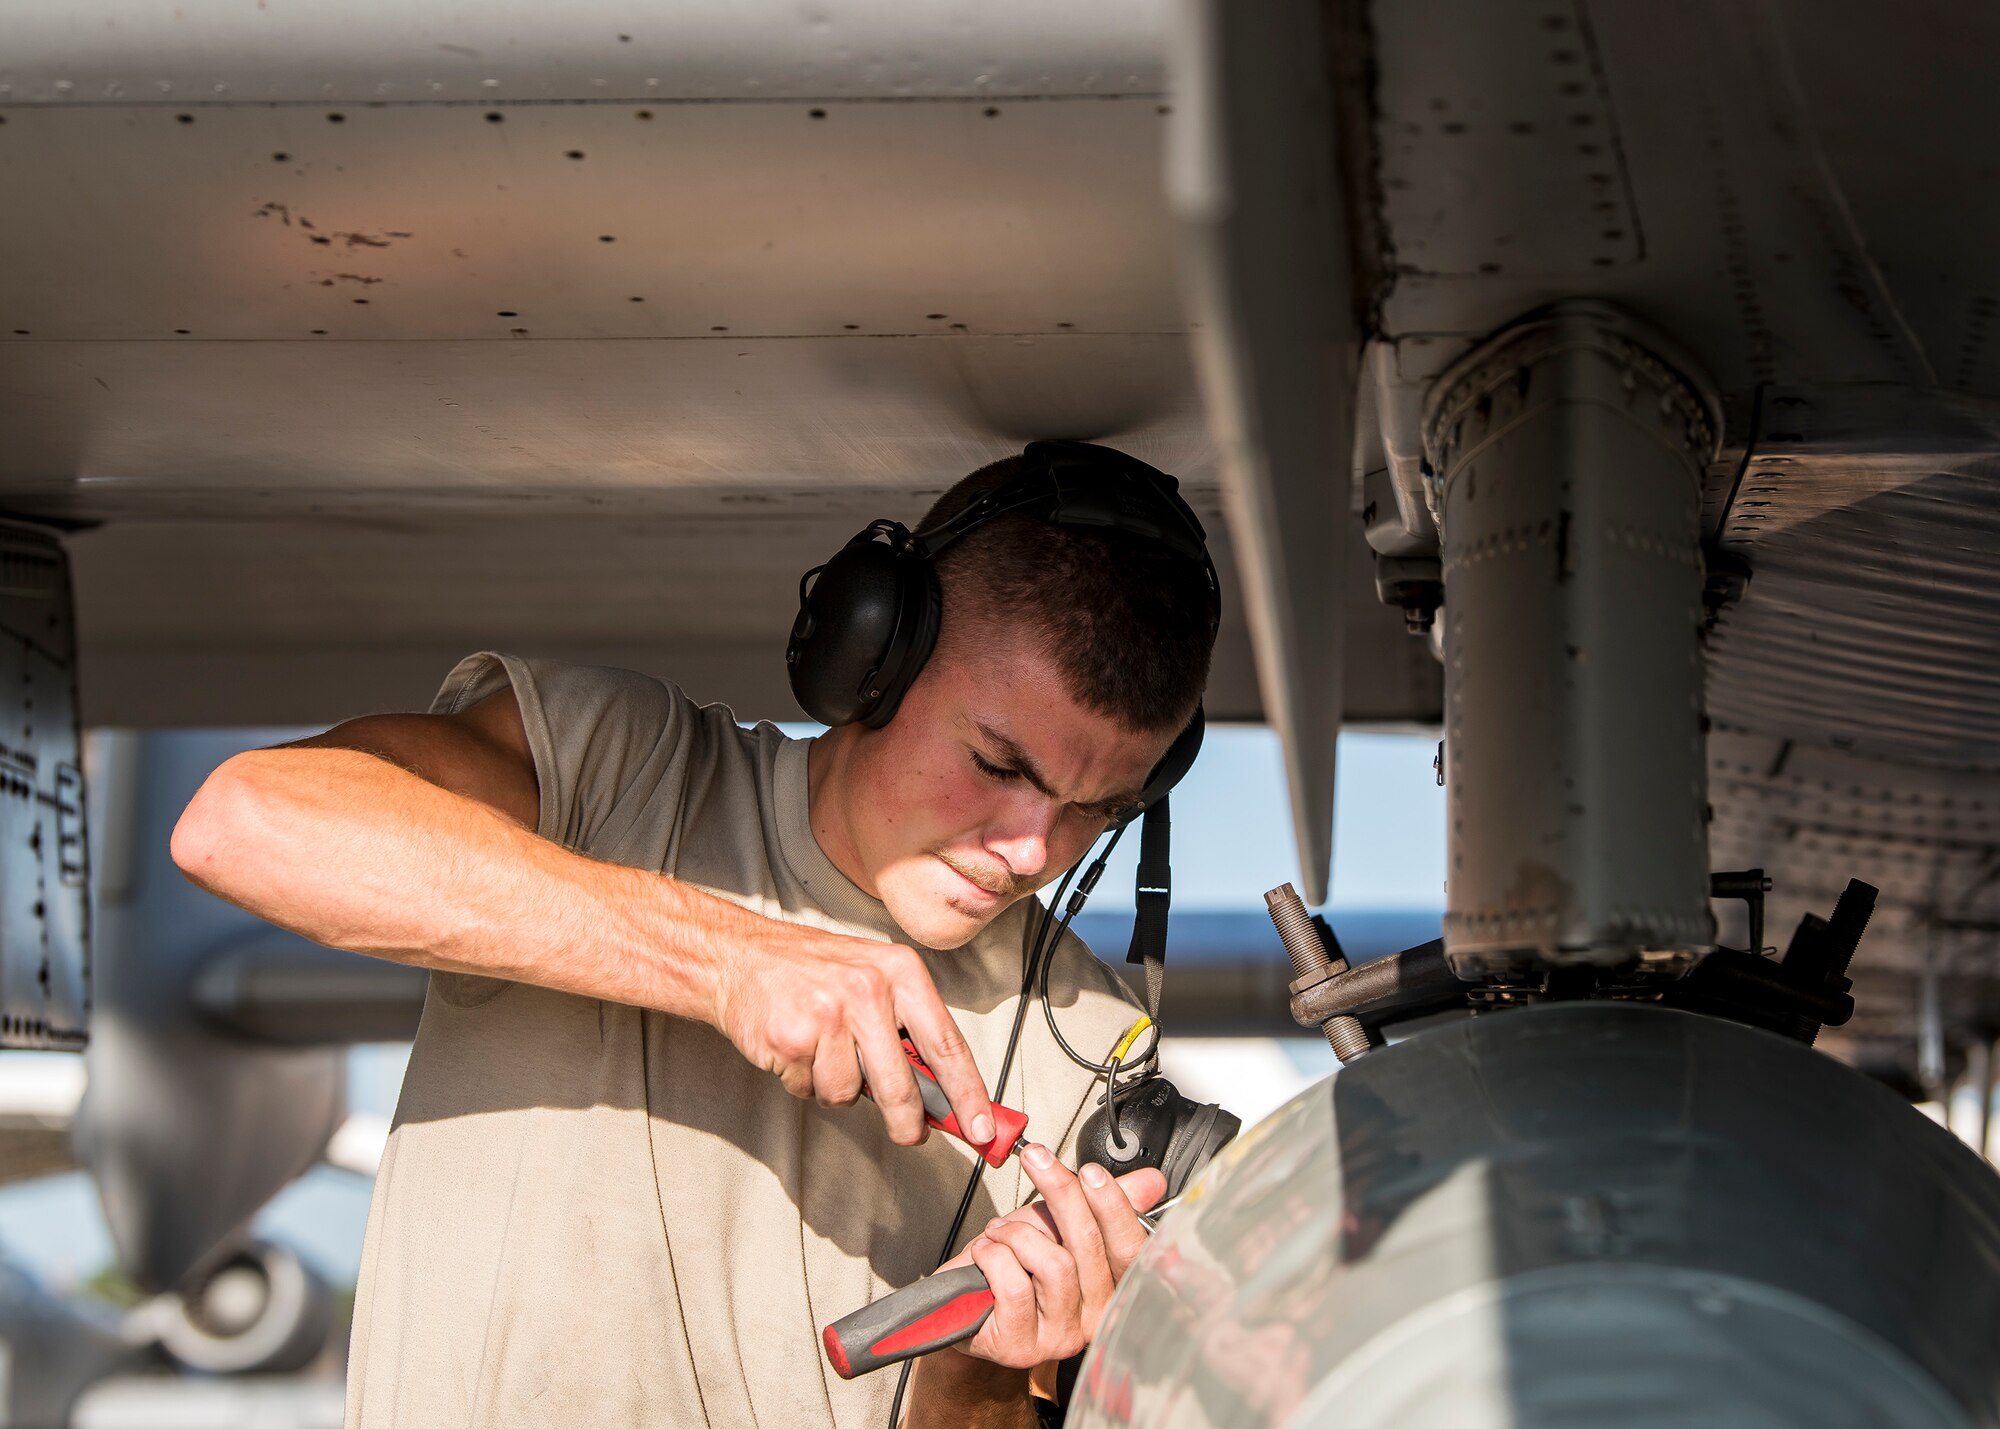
927, 1315
1010, 1126
938, 1310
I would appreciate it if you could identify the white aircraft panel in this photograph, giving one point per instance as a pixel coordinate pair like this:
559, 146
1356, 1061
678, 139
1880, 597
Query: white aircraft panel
621, 221
82, 51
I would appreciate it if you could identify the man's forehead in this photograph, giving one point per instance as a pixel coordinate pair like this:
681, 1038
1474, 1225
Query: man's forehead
1057, 755
1013, 691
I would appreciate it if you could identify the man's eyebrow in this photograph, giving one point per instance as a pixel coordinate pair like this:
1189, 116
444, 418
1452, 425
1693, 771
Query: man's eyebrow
1020, 759
1016, 756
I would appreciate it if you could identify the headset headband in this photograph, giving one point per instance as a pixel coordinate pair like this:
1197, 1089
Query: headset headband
1079, 484
869, 618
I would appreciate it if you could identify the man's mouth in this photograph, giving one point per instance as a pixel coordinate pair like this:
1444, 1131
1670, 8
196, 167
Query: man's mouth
978, 885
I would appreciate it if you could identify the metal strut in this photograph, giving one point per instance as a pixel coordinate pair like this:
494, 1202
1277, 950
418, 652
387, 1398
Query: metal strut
1567, 454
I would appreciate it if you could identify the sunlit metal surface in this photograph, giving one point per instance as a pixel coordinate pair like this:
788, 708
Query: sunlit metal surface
1567, 1216
157, 51
725, 221
1256, 185
1568, 452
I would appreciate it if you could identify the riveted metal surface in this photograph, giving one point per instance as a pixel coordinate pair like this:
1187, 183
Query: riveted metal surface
1742, 166
370, 337
1500, 146
613, 222
1845, 299
1569, 457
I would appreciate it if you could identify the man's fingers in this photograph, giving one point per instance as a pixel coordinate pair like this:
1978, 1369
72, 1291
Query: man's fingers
892, 1082
1075, 1220
1008, 1336
1144, 1188
1117, 1218
1054, 1273
798, 1079
1040, 1307
836, 1072
944, 1050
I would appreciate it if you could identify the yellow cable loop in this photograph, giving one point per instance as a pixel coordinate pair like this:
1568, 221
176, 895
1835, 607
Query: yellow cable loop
1132, 1035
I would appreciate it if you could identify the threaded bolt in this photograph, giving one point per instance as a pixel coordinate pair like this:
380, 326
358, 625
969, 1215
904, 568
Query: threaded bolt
1296, 932
1346, 1035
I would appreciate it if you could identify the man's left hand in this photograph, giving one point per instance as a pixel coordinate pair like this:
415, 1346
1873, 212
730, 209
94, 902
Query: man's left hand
1053, 1266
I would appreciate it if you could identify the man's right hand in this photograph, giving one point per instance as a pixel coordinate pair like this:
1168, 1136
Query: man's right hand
826, 1013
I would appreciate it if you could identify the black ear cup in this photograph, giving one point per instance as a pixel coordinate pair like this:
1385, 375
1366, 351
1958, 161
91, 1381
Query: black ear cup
868, 618
866, 624
1157, 1127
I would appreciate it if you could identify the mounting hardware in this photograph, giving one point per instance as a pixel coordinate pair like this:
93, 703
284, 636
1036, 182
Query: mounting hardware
1316, 958
1414, 584
1750, 885
1794, 996
1725, 581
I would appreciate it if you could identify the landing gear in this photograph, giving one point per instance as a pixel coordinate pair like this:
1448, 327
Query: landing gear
1567, 455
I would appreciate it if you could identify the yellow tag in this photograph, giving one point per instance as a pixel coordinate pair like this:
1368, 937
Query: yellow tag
1132, 1034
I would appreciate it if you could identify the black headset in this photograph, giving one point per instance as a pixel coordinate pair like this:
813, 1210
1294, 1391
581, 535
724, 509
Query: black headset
868, 619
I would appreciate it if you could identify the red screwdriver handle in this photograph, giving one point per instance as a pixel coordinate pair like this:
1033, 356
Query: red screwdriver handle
1009, 1126
936, 1311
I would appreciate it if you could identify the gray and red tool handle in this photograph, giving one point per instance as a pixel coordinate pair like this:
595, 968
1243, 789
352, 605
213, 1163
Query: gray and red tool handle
936, 1311
940, 1309
1010, 1126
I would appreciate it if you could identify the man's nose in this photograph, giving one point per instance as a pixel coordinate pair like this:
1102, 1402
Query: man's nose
1020, 838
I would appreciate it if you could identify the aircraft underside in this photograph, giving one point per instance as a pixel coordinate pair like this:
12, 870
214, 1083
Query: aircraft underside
1611, 386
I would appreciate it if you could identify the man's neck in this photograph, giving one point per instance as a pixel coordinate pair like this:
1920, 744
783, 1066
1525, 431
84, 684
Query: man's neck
828, 810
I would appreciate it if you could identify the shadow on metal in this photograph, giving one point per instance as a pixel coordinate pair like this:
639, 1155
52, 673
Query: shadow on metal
1572, 1215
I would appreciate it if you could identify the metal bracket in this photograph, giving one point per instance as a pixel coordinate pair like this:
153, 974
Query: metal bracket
44, 867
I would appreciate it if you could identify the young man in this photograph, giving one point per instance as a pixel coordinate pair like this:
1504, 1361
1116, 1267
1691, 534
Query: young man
648, 926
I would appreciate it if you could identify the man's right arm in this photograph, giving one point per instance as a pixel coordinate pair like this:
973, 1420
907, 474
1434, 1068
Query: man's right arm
411, 837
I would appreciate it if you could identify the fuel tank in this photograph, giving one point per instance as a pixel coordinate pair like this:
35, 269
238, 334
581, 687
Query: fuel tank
1572, 1215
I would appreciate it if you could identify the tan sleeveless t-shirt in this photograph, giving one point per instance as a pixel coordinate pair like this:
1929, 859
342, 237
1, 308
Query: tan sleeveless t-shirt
594, 1215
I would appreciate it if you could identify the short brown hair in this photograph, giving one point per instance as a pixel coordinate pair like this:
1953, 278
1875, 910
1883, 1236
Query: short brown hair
1127, 621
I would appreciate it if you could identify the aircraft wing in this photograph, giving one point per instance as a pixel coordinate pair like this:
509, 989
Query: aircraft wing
352, 339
